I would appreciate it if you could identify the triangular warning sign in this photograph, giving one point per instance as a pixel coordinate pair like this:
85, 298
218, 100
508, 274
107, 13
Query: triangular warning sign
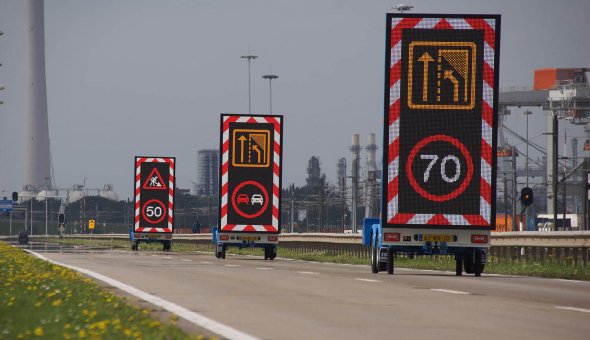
154, 181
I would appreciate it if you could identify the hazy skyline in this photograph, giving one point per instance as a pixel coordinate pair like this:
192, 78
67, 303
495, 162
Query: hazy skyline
127, 78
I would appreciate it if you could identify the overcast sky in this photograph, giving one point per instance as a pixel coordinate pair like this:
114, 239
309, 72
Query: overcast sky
148, 77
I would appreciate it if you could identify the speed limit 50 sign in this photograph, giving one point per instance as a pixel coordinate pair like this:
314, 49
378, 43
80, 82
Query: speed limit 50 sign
154, 194
440, 128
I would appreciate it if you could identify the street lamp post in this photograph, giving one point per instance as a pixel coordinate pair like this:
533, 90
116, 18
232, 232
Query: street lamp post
401, 8
526, 165
270, 78
249, 57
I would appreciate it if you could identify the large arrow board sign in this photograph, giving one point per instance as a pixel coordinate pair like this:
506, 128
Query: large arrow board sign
441, 101
250, 186
154, 194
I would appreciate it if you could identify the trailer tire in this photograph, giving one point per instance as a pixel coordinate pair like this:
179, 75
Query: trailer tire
374, 254
390, 261
477, 265
458, 264
468, 263
266, 253
223, 249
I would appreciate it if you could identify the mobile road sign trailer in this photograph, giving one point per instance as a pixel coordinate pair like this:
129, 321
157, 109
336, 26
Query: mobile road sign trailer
250, 186
154, 201
439, 159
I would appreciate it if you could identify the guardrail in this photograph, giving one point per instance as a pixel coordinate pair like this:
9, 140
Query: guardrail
559, 247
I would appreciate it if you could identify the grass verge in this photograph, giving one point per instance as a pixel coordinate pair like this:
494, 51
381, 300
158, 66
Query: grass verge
40, 299
548, 269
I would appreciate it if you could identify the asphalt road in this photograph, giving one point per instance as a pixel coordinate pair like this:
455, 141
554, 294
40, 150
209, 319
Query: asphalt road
285, 299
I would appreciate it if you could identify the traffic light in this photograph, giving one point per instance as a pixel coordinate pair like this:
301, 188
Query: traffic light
61, 218
14, 196
526, 196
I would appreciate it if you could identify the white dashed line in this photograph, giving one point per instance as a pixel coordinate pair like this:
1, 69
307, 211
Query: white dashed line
232, 265
186, 260
167, 257
574, 309
264, 268
450, 291
205, 262
366, 280
309, 273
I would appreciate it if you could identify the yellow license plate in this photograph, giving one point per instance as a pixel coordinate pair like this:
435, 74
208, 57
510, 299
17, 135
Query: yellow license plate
250, 238
437, 238
153, 236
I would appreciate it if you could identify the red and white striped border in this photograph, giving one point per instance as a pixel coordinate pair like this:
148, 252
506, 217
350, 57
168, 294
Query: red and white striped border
489, 28
276, 193
138, 162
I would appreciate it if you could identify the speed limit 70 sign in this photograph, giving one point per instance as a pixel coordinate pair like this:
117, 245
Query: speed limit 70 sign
154, 194
440, 121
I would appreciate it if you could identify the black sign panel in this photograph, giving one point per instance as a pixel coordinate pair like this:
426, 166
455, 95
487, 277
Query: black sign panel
154, 194
250, 172
440, 114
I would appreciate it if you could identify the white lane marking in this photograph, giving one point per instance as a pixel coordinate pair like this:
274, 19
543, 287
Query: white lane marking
449, 291
309, 273
186, 260
167, 257
366, 280
232, 265
154, 255
196, 318
205, 262
264, 268
571, 281
573, 309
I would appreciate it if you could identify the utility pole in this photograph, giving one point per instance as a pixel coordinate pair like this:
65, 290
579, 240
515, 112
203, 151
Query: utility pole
514, 189
321, 205
292, 207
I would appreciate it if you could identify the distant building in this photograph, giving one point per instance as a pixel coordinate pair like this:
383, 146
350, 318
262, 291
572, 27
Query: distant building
207, 172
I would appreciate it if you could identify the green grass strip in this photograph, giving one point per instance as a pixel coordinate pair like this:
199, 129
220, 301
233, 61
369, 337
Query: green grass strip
549, 269
40, 299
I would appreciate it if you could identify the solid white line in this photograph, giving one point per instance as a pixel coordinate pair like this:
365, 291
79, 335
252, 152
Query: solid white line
571, 281
311, 273
196, 318
574, 309
366, 280
450, 291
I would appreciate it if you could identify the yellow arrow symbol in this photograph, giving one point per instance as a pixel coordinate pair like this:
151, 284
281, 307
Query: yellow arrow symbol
449, 75
242, 139
425, 58
255, 148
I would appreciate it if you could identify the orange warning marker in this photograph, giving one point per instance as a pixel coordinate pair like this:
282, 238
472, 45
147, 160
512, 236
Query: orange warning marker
154, 181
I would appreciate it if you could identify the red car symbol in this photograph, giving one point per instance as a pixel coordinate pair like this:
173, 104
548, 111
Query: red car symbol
243, 198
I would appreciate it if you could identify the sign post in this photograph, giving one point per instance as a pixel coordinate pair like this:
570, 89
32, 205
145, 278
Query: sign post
441, 99
250, 186
154, 200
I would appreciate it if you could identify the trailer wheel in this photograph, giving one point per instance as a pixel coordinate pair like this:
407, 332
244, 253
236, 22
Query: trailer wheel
266, 252
223, 249
374, 254
390, 261
458, 264
468, 263
478, 266
135, 245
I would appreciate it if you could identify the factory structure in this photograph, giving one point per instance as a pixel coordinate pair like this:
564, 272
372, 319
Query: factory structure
38, 172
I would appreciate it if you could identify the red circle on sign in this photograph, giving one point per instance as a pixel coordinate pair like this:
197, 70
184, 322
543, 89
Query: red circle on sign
444, 138
147, 218
237, 189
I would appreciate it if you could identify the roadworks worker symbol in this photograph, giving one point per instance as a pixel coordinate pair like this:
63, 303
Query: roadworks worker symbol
441, 75
251, 148
154, 181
